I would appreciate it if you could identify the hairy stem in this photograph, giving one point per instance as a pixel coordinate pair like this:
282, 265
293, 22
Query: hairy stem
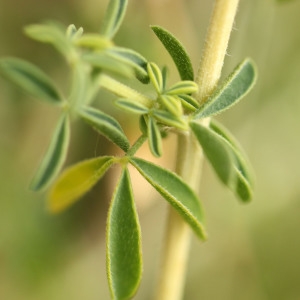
189, 158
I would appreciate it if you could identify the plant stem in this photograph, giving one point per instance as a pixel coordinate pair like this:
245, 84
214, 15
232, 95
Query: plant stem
189, 154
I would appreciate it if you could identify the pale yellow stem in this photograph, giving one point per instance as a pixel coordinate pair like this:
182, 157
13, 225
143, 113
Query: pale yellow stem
189, 155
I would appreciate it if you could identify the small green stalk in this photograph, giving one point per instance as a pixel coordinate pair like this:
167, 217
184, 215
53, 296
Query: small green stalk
189, 158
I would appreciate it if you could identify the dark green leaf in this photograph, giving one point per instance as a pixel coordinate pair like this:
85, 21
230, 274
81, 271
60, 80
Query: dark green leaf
177, 52
132, 59
77, 180
175, 191
154, 138
113, 18
30, 78
224, 159
124, 253
236, 86
106, 125
54, 157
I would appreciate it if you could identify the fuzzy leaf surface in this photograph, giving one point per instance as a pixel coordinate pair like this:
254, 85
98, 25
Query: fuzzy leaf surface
124, 253
113, 17
245, 177
169, 119
154, 138
175, 191
106, 125
54, 157
177, 52
225, 160
155, 77
30, 78
77, 180
236, 86
132, 59
131, 106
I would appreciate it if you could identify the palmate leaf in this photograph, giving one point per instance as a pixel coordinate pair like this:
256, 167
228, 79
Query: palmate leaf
177, 52
54, 157
31, 79
175, 191
106, 125
75, 181
113, 18
236, 86
123, 240
171, 104
226, 160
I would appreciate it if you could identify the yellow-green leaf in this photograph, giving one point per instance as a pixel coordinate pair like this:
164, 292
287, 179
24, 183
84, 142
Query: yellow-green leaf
77, 180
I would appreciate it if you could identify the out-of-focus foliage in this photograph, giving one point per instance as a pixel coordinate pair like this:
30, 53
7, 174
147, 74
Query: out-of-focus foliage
253, 252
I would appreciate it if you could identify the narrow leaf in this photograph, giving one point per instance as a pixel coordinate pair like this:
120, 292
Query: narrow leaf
106, 125
168, 119
172, 104
154, 138
124, 253
106, 63
77, 180
189, 102
54, 157
155, 77
223, 159
132, 106
177, 52
50, 33
113, 18
30, 78
236, 86
132, 59
183, 87
93, 41
175, 191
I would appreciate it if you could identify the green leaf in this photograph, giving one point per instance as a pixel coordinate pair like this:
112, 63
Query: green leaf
132, 106
124, 253
77, 180
54, 157
172, 104
154, 138
175, 191
177, 52
113, 18
50, 33
189, 102
30, 78
168, 119
132, 59
224, 159
93, 41
183, 87
106, 125
155, 77
106, 63
236, 86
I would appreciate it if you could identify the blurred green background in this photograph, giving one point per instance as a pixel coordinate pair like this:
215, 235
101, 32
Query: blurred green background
253, 251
